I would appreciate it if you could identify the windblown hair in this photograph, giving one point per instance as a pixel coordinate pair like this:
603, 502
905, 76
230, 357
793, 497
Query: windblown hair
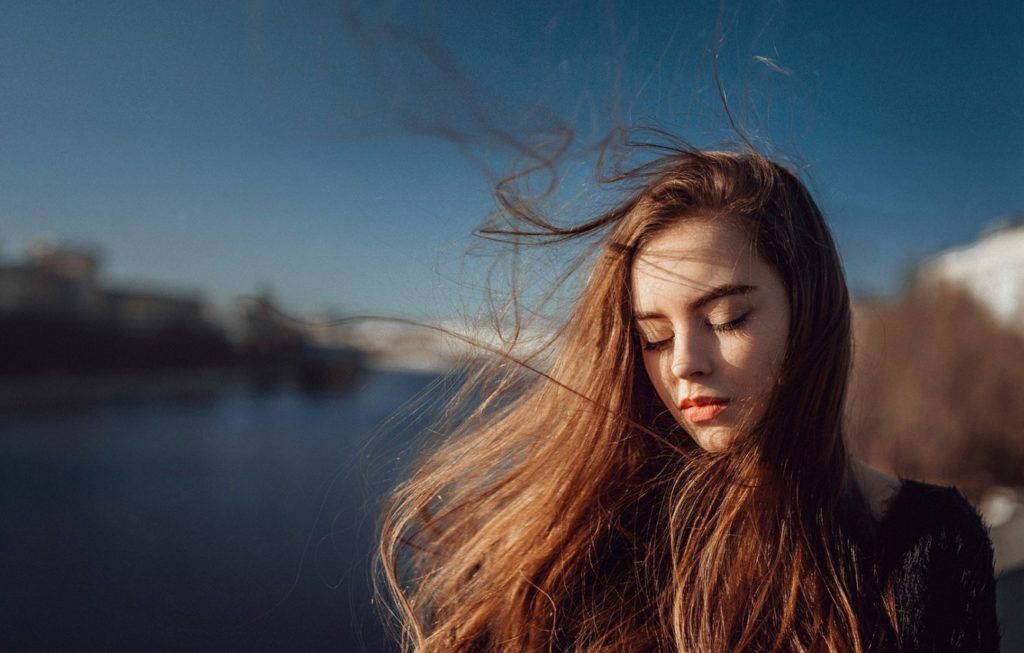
567, 511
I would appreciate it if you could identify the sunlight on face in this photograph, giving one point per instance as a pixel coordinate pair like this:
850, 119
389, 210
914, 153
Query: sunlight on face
713, 320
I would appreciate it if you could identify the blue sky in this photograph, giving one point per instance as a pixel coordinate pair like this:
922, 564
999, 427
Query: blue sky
216, 146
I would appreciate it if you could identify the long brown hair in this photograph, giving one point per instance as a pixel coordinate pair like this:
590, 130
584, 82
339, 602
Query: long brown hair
566, 511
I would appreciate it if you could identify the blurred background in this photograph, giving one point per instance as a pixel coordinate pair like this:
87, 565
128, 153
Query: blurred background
194, 442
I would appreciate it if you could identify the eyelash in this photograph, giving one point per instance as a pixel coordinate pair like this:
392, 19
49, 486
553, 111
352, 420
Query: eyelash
726, 327
729, 326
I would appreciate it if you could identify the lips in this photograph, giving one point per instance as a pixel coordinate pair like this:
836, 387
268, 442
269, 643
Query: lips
702, 409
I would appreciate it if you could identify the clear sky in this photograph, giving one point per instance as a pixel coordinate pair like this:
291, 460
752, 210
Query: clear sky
214, 146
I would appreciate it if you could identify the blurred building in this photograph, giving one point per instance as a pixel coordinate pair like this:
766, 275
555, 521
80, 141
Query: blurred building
58, 318
136, 310
53, 281
991, 269
63, 282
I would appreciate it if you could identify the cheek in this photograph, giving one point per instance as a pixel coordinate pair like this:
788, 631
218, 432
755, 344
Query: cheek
754, 364
659, 372
738, 363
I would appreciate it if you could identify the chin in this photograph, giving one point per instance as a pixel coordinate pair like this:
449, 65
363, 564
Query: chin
714, 440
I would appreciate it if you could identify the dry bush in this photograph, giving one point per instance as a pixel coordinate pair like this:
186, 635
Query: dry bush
938, 390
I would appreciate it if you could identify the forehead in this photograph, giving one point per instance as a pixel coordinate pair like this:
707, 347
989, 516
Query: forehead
692, 257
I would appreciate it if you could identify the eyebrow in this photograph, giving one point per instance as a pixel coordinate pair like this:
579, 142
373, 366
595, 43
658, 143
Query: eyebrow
710, 296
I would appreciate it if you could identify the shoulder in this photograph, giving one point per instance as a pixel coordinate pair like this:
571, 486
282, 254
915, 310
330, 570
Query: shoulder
878, 488
937, 549
938, 517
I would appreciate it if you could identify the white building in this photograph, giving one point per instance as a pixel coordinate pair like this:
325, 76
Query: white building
991, 269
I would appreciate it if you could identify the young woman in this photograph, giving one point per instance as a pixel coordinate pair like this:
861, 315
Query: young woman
675, 477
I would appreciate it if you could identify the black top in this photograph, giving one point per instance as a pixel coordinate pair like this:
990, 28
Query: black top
934, 545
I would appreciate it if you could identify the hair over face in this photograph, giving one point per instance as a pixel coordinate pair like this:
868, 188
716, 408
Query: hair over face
568, 512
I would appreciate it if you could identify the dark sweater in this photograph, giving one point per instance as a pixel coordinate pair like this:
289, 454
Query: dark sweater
936, 548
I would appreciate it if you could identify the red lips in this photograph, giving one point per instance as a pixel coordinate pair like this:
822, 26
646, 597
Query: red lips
702, 409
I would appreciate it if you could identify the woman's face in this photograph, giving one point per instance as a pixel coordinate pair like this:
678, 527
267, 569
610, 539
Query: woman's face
713, 321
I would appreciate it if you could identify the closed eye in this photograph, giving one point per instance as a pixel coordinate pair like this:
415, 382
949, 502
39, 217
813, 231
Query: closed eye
654, 346
732, 325
725, 327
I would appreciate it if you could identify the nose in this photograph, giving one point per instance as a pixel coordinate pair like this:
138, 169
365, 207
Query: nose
690, 356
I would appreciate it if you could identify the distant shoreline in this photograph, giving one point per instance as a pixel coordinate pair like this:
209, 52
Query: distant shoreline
63, 390
53, 390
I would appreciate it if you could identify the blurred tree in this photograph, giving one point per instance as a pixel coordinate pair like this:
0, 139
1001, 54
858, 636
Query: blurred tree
936, 390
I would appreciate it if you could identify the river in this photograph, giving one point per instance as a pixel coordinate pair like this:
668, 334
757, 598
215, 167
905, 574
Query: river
240, 522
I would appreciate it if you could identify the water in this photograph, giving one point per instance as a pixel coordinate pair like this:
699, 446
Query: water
245, 522
242, 523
